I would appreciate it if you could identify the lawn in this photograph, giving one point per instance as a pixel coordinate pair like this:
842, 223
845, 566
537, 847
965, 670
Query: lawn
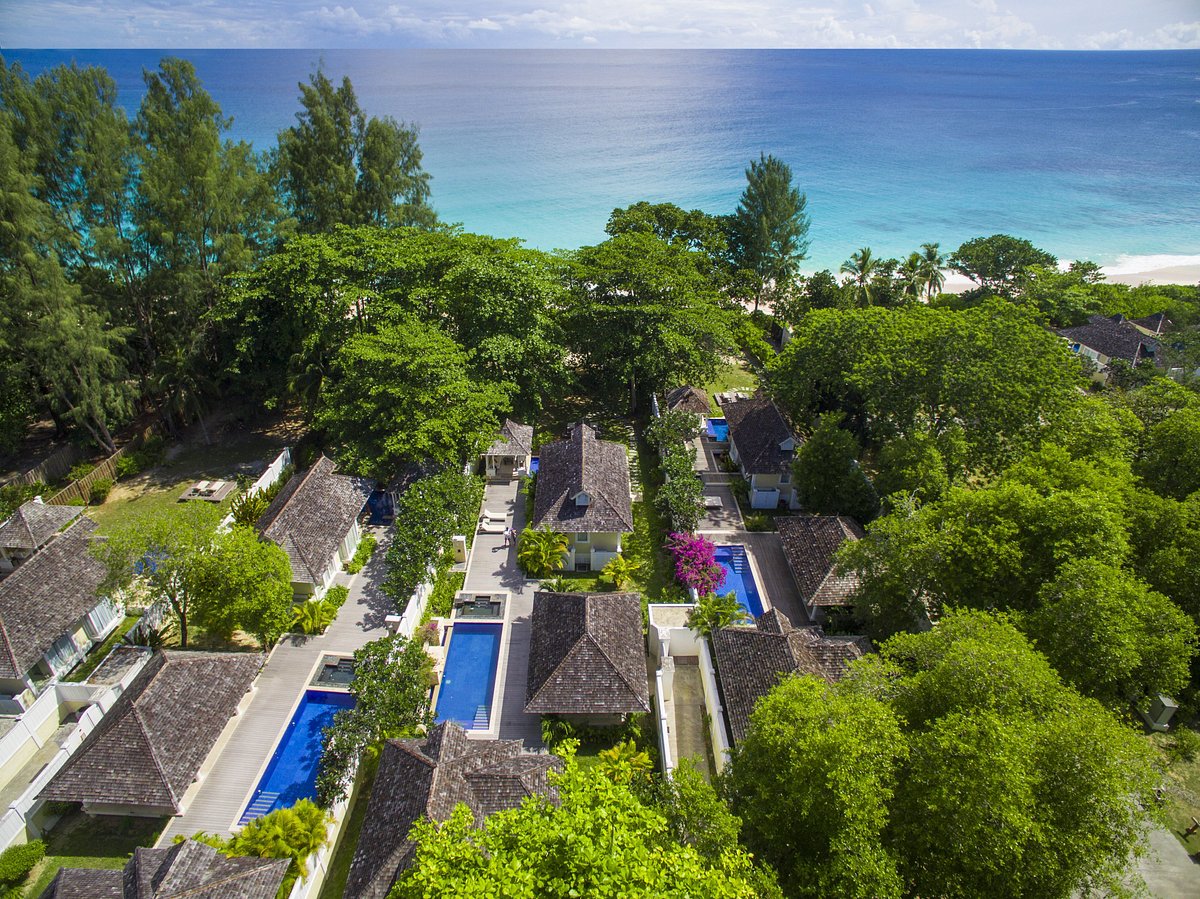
656, 577
79, 841
161, 486
1182, 788
97, 655
343, 855
732, 374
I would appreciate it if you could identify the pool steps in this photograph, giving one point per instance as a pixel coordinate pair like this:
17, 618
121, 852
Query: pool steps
259, 807
482, 718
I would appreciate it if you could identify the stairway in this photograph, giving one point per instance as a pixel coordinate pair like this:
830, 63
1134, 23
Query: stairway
482, 718
260, 806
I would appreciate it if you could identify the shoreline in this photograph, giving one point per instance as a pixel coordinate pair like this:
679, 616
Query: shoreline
1188, 274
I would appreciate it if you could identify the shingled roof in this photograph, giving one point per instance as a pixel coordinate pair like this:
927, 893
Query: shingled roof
583, 464
1113, 337
34, 523
752, 660
46, 596
688, 399
147, 750
428, 777
587, 655
312, 515
1156, 325
758, 430
514, 440
188, 868
810, 543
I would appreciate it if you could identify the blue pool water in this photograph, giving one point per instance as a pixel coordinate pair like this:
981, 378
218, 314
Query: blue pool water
739, 578
718, 429
291, 774
533, 465
470, 675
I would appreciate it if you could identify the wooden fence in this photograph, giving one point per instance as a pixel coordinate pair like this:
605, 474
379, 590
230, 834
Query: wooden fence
82, 489
50, 469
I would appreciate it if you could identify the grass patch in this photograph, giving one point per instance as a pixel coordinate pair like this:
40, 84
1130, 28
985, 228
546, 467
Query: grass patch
96, 656
732, 374
81, 841
1181, 783
343, 854
584, 581
655, 579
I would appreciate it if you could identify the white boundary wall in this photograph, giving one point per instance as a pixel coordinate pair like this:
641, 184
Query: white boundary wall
265, 480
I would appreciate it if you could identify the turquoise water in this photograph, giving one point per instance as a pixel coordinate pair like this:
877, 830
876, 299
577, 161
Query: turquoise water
1087, 154
470, 675
739, 578
291, 775
718, 429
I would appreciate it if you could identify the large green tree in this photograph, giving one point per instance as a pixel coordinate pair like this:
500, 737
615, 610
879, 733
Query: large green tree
828, 478
1170, 458
998, 262
405, 394
337, 166
600, 841
243, 583
768, 232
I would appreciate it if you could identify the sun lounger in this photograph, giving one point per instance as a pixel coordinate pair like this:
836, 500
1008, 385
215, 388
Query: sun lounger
713, 502
488, 514
491, 527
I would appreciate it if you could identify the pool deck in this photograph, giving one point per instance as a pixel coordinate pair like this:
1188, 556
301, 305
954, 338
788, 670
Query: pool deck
227, 787
493, 567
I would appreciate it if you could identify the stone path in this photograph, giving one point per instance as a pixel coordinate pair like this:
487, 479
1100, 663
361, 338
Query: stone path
1168, 870
227, 787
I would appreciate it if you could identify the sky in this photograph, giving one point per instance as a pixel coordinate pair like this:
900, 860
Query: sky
338, 24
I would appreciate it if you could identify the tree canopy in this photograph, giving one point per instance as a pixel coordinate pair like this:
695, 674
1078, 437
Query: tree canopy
997, 262
768, 232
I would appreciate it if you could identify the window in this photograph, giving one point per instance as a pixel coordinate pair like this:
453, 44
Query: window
583, 538
785, 478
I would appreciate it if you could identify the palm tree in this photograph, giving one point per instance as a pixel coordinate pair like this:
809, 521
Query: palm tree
624, 763
541, 552
911, 282
559, 584
861, 268
313, 617
932, 262
620, 571
714, 612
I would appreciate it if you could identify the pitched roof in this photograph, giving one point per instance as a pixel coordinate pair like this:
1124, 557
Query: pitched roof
587, 655
1113, 337
688, 399
757, 428
752, 660
46, 596
428, 777
147, 749
514, 440
583, 464
312, 515
34, 523
810, 543
1157, 324
188, 868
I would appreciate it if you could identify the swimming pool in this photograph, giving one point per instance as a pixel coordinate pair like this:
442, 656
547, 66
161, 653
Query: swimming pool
469, 677
718, 429
534, 462
739, 577
291, 775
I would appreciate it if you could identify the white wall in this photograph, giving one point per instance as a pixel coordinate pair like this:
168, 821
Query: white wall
265, 480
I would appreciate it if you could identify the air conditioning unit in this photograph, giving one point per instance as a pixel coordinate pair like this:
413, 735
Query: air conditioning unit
1158, 716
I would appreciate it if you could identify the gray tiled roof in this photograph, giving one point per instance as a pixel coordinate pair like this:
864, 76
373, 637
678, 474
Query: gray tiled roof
147, 750
687, 399
810, 543
514, 440
1157, 324
428, 777
188, 868
757, 429
583, 463
46, 596
34, 523
587, 655
312, 515
1113, 337
752, 660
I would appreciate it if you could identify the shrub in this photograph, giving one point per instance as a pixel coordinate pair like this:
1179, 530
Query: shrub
1184, 745
759, 521
100, 489
248, 508
336, 596
80, 471
445, 588
17, 861
695, 563
366, 547
126, 465
313, 616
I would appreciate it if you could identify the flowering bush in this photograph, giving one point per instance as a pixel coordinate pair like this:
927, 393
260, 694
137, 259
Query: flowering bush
695, 563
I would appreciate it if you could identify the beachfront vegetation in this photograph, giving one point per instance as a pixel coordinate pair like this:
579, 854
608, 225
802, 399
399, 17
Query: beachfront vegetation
953, 763
768, 232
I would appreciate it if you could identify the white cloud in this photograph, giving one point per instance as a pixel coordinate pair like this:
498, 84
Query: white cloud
484, 25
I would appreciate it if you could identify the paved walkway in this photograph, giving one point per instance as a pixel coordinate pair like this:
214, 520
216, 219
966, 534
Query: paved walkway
226, 788
493, 567
1169, 871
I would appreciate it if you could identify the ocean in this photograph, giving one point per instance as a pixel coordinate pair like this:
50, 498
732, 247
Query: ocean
1089, 155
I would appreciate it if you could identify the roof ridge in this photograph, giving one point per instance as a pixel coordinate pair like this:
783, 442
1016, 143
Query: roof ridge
201, 889
615, 667
141, 725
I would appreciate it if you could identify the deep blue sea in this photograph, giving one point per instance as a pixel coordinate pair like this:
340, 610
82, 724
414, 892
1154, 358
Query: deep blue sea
1090, 155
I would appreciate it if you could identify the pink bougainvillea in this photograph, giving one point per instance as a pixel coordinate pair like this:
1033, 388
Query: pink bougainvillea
696, 566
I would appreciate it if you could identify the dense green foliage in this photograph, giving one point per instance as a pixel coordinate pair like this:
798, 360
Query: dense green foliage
828, 478
954, 763
295, 833
362, 555
17, 861
391, 693
768, 232
600, 841
681, 494
997, 262
541, 551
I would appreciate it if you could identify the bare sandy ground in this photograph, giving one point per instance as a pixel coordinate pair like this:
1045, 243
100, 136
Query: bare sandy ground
1172, 274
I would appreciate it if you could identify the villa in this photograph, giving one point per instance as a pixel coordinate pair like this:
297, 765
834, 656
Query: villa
763, 447
810, 543
30, 528
512, 452
1107, 339
189, 868
751, 660
315, 519
583, 491
145, 756
50, 613
687, 399
587, 657
427, 777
